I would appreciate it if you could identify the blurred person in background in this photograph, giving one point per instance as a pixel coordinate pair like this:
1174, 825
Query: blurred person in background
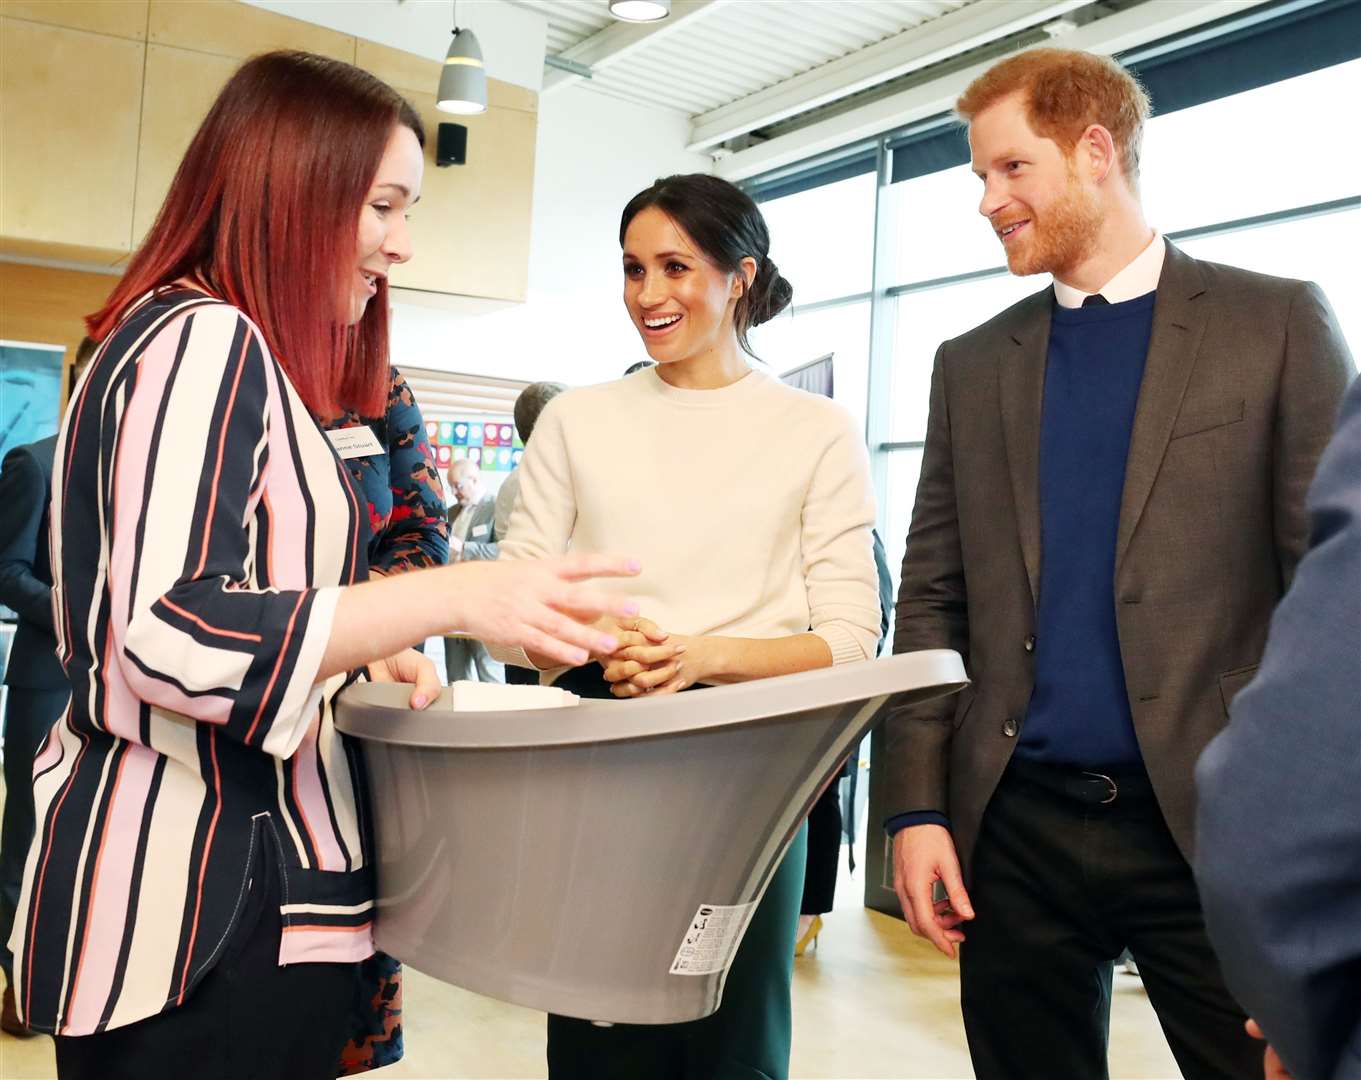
472, 538
38, 688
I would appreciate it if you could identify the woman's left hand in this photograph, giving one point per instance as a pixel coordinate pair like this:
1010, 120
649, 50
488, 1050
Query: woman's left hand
409, 666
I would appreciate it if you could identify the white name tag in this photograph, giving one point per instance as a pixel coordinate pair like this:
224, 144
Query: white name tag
353, 442
481, 530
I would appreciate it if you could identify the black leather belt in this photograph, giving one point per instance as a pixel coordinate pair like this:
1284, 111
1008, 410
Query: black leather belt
1091, 787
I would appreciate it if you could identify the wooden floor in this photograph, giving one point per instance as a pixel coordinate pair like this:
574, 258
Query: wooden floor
871, 1003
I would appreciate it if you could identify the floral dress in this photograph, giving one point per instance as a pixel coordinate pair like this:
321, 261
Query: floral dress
405, 507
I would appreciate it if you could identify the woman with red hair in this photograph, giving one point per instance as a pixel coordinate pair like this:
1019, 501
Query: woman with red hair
200, 887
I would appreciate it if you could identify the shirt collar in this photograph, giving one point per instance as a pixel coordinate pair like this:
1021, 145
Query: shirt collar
1138, 278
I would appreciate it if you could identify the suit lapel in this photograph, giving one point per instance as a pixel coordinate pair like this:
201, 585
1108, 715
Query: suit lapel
1178, 326
1021, 391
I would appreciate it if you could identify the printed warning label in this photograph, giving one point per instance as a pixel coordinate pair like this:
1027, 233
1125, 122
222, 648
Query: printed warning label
712, 938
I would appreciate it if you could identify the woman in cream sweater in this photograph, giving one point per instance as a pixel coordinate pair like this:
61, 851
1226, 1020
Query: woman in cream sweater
749, 504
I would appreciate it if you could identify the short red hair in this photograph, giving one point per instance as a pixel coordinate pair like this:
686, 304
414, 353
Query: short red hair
265, 209
1066, 91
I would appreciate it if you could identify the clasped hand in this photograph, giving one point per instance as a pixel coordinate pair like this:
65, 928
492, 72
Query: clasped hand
648, 660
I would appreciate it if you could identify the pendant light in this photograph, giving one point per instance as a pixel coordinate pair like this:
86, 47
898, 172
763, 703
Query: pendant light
463, 82
640, 10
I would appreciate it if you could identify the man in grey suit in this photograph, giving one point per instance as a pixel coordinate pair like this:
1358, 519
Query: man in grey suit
472, 537
1279, 827
1111, 503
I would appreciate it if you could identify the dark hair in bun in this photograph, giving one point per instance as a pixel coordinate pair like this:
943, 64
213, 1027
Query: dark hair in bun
728, 227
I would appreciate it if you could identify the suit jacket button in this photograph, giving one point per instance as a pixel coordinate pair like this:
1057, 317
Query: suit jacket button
1030, 643
1010, 727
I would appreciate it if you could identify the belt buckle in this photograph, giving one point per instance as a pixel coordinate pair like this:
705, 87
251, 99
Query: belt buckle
1114, 789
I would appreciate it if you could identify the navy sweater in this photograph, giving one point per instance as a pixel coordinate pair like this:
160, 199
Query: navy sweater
1079, 709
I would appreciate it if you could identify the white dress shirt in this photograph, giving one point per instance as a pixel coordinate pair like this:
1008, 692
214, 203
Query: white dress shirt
1138, 278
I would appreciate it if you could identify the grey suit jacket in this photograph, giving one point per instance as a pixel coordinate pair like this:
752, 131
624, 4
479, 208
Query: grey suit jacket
1239, 394
482, 542
1279, 864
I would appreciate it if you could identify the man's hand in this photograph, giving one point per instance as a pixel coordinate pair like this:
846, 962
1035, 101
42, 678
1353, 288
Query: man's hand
923, 855
1273, 1068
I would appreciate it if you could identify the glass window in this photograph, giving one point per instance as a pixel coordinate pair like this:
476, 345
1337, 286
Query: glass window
904, 469
1320, 249
924, 319
940, 232
796, 337
1268, 149
823, 239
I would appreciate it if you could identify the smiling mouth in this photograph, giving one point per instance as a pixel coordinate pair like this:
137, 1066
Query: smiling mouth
1008, 231
370, 279
660, 324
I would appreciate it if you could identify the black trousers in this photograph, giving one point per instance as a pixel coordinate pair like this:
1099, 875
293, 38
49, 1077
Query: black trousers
29, 715
1061, 888
824, 852
249, 1019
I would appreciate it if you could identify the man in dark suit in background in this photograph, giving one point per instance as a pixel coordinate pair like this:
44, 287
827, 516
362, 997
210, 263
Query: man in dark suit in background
1111, 503
1279, 827
37, 686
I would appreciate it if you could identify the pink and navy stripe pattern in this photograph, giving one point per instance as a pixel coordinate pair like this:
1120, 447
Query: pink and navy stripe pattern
201, 527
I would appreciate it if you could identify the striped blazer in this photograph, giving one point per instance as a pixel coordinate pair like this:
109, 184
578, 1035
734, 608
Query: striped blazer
201, 527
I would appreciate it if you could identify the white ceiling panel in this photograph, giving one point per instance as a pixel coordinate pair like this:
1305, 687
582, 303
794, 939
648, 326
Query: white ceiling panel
736, 66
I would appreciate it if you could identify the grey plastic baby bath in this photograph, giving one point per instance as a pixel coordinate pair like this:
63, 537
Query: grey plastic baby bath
602, 861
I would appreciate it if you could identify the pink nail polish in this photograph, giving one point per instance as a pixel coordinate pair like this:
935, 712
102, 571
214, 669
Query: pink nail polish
418, 701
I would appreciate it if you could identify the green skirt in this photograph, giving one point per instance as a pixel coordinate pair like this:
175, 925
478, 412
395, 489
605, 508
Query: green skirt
746, 1039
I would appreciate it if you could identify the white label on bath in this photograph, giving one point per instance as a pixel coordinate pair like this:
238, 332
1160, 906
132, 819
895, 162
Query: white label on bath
712, 939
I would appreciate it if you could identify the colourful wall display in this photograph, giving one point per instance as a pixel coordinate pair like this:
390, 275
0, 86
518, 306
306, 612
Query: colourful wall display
491, 441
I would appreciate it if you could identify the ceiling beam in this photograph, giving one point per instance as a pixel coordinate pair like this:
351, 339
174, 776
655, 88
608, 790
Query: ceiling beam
921, 46
1127, 29
619, 39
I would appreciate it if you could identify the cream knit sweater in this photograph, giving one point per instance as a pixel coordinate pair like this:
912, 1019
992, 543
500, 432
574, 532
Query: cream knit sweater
750, 507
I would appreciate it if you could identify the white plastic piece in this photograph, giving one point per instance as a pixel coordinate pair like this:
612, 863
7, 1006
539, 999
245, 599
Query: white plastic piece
468, 696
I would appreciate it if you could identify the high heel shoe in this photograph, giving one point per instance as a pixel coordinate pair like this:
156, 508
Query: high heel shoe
809, 940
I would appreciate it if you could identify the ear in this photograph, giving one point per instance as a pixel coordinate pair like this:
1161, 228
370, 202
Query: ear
746, 274
1098, 151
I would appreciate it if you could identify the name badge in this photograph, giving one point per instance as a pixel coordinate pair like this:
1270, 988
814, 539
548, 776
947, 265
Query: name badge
481, 530
353, 442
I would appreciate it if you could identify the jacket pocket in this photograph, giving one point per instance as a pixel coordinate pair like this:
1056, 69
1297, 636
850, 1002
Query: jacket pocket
1233, 681
1198, 419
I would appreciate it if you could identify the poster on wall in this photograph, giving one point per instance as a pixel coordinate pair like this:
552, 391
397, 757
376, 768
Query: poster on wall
491, 441
30, 392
